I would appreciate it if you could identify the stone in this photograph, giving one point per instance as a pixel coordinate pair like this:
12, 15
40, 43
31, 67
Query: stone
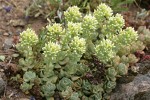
142, 96
2, 86
131, 91
8, 43
17, 22
6, 34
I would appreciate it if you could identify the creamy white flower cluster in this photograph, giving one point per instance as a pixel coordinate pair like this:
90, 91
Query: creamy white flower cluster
55, 31
102, 13
80, 31
78, 45
28, 38
51, 50
126, 37
73, 14
114, 25
89, 25
104, 50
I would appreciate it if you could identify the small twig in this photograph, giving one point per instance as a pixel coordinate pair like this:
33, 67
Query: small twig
9, 61
5, 89
137, 5
9, 3
5, 53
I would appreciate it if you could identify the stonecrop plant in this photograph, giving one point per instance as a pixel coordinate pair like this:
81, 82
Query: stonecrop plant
58, 59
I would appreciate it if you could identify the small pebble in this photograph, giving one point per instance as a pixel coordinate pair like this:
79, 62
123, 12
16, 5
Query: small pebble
8, 43
6, 34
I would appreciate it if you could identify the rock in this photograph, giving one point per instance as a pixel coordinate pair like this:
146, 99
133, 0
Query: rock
138, 89
142, 96
17, 22
2, 86
8, 43
6, 34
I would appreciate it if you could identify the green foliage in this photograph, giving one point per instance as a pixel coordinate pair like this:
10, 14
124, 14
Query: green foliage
64, 83
29, 76
111, 74
75, 96
144, 35
122, 69
58, 58
26, 86
118, 5
48, 89
55, 8
2, 58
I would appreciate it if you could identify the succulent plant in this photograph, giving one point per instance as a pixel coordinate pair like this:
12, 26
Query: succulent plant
113, 25
144, 35
111, 74
89, 26
132, 59
102, 13
64, 83
81, 58
122, 69
86, 86
29, 76
116, 60
127, 36
55, 32
51, 50
26, 86
48, 89
73, 14
28, 38
74, 96
137, 45
66, 94
78, 45
104, 50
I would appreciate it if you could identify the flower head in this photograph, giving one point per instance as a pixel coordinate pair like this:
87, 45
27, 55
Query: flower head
51, 50
54, 31
89, 25
78, 45
113, 25
28, 38
104, 50
103, 12
73, 14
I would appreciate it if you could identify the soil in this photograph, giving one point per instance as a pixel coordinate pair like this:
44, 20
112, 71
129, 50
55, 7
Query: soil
13, 21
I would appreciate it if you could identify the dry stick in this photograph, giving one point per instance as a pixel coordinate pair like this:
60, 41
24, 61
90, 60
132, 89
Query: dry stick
10, 3
5, 89
137, 5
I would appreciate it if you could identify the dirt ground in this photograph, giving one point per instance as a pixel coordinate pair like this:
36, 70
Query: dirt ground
13, 21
